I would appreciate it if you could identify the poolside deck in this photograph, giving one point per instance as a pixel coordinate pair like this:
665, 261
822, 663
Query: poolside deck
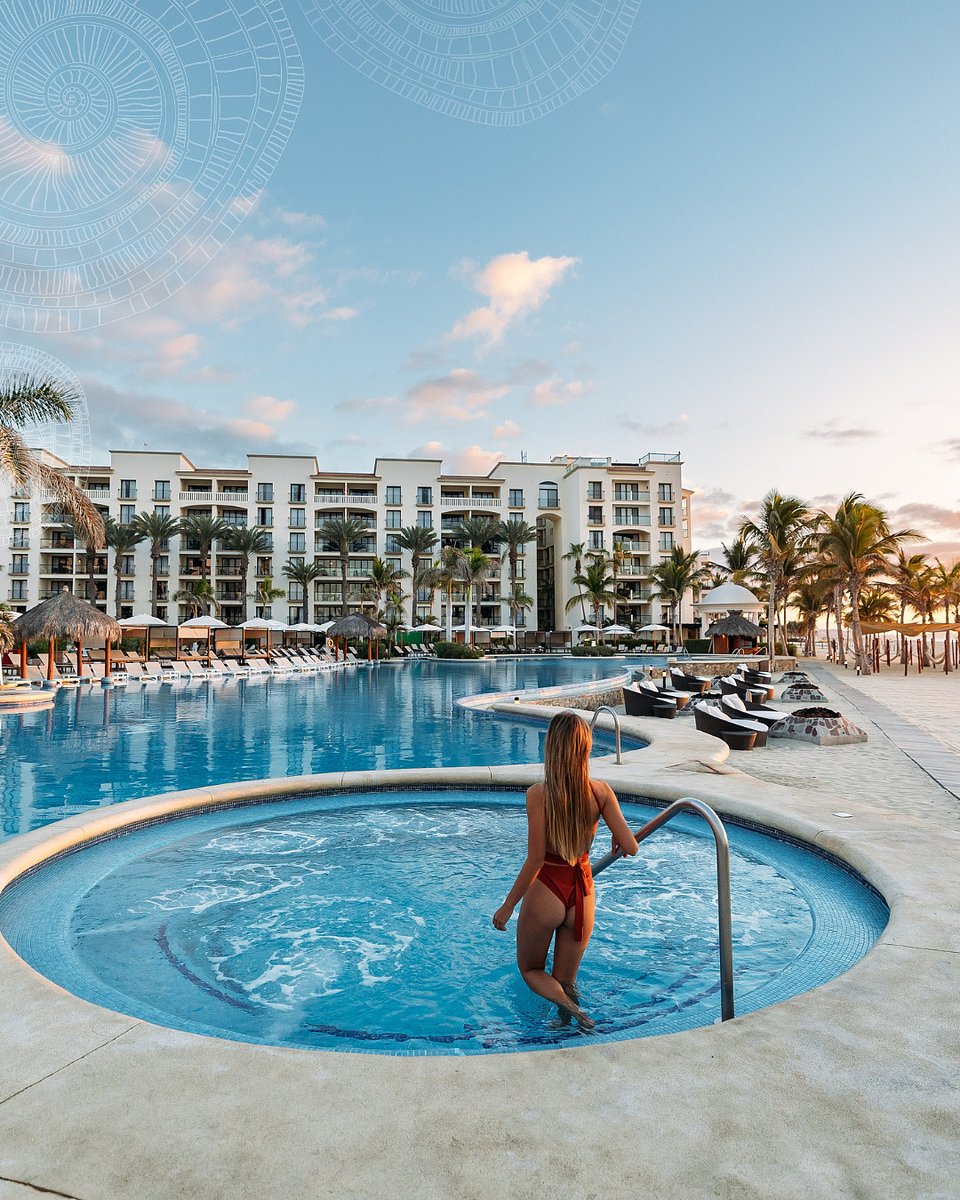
852, 1090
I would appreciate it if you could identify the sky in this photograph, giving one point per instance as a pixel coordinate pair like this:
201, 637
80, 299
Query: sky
741, 243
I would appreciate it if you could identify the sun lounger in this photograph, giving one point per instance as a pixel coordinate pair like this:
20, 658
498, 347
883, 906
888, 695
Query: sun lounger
646, 700
196, 669
683, 682
738, 735
153, 671
734, 707
233, 668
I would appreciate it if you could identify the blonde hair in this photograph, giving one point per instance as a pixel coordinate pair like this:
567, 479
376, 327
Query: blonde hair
570, 808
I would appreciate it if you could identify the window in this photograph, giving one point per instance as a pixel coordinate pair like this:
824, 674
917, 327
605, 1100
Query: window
596, 539
394, 520
19, 565
264, 566
392, 544
665, 492
20, 539
298, 518
424, 495
666, 541
18, 589
294, 590
265, 493
265, 518
298, 543
128, 512
127, 565
626, 491
393, 495
159, 510
595, 514
395, 563
594, 491
515, 498
424, 520
298, 493
126, 590
161, 489
626, 516
666, 516
21, 512
128, 489
162, 613
163, 564
548, 496
521, 568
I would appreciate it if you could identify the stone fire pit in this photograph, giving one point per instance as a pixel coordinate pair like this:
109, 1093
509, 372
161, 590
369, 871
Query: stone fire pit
822, 726
802, 691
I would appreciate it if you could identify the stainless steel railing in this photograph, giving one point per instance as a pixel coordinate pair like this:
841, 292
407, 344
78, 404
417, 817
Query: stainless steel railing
616, 725
724, 919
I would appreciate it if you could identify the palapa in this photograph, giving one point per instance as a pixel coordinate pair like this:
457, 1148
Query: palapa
65, 616
736, 625
356, 625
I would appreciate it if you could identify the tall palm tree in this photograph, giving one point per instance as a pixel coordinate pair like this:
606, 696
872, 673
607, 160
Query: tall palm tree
384, 582
23, 400
576, 555
674, 577
947, 581
596, 584
92, 540
7, 635
122, 540
514, 535
480, 533
810, 599
246, 542
419, 544
444, 574
474, 567
303, 573
738, 560
773, 537
858, 539
206, 532
199, 596
344, 533
266, 592
157, 530
906, 573
519, 601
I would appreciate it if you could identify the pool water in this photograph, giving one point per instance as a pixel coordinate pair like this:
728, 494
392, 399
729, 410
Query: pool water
362, 922
100, 746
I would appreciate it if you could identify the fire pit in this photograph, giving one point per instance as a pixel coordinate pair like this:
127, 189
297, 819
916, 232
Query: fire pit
802, 691
822, 726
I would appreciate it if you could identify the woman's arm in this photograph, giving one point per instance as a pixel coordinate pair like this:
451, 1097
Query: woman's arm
615, 821
536, 851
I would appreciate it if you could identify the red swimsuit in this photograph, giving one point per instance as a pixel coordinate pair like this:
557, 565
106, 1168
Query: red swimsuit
570, 882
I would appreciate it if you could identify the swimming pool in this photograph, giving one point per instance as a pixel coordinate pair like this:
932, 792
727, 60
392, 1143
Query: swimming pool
361, 922
100, 746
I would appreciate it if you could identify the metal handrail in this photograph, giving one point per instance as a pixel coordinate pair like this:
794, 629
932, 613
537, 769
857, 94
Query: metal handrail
724, 919
616, 724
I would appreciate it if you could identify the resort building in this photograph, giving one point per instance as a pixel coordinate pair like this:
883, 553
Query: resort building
635, 511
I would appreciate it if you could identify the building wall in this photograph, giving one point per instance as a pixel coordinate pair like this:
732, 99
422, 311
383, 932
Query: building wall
640, 507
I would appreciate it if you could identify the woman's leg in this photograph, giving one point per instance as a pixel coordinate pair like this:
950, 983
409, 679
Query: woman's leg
541, 915
567, 951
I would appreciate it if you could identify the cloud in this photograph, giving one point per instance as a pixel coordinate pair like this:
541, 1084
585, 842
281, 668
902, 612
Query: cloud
301, 220
508, 429
460, 395
716, 514
373, 404
269, 408
665, 429
515, 286
340, 314
426, 450
555, 391
951, 449
846, 436
473, 460
918, 515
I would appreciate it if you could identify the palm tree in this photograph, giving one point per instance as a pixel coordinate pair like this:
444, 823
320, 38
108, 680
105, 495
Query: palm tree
480, 533
24, 400
947, 580
122, 540
773, 538
419, 543
303, 573
344, 533
444, 573
7, 636
858, 539
157, 530
906, 573
519, 600
474, 567
246, 542
199, 597
738, 560
576, 555
266, 593
809, 600
515, 534
596, 589
92, 540
384, 582
205, 531
676, 576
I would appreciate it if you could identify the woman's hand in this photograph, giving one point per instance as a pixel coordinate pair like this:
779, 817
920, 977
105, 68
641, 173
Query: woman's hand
502, 916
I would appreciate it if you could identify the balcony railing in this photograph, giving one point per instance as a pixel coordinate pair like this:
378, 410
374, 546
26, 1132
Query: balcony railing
470, 502
96, 493
20, 543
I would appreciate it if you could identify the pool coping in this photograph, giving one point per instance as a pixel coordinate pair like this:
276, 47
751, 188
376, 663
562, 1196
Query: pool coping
865, 1092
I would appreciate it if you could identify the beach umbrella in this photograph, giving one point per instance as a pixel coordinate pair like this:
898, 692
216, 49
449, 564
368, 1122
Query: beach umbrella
653, 629
617, 629
65, 616
356, 625
205, 623
146, 622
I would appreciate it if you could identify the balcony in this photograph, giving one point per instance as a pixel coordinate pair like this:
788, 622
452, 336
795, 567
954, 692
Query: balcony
98, 493
195, 497
20, 543
18, 571
470, 502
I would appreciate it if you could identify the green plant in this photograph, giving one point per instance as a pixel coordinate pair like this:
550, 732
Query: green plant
698, 645
456, 650
593, 651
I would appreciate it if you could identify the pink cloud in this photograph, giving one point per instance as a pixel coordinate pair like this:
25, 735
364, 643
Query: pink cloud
508, 429
474, 460
515, 286
269, 408
554, 391
460, 395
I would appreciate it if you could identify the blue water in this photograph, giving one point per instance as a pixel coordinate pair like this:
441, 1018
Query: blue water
100, 746
362, 922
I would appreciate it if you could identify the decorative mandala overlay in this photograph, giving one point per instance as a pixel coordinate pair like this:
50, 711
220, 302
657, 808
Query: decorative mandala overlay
134, 138
497, 62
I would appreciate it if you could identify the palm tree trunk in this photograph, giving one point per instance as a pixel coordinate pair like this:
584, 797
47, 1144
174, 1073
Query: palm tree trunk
449, 622
414, 572
116, 590
864, 666
772, 621
468, 618
155, 575
244, 572
838, 616
344, 566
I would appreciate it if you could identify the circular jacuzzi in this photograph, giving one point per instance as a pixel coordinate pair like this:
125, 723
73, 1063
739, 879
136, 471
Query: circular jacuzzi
361, 921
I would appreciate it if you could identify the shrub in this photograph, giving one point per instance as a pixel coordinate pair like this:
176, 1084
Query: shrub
698, 645
456, 650
593, 651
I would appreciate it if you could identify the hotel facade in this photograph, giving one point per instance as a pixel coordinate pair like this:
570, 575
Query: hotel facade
640, 508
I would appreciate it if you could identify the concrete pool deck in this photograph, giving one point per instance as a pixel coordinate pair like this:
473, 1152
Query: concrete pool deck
851, 1090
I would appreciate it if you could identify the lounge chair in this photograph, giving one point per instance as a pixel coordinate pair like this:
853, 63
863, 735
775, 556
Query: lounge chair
646, 700
154, 671
234, 669
738, 735
196, 670
751, 695
61, 679
681, 699
734, 707
688, 683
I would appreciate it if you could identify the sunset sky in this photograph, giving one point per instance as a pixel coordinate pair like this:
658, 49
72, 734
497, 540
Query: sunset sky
742, 244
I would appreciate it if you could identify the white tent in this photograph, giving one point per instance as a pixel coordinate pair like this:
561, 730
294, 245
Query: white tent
142, 621
204, 622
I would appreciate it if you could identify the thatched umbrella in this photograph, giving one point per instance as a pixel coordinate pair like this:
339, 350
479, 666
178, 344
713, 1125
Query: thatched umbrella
356, 625
65, 616
735, 625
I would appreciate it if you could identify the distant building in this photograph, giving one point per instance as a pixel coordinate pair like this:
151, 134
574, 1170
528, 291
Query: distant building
640, 508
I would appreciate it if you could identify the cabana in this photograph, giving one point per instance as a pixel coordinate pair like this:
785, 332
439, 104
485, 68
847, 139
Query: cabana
65, 616
146, 622
201, 627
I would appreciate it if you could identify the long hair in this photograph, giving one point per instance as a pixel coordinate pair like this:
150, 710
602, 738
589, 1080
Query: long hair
570, 807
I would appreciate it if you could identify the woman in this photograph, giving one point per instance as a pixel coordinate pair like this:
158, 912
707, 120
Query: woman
555, 883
